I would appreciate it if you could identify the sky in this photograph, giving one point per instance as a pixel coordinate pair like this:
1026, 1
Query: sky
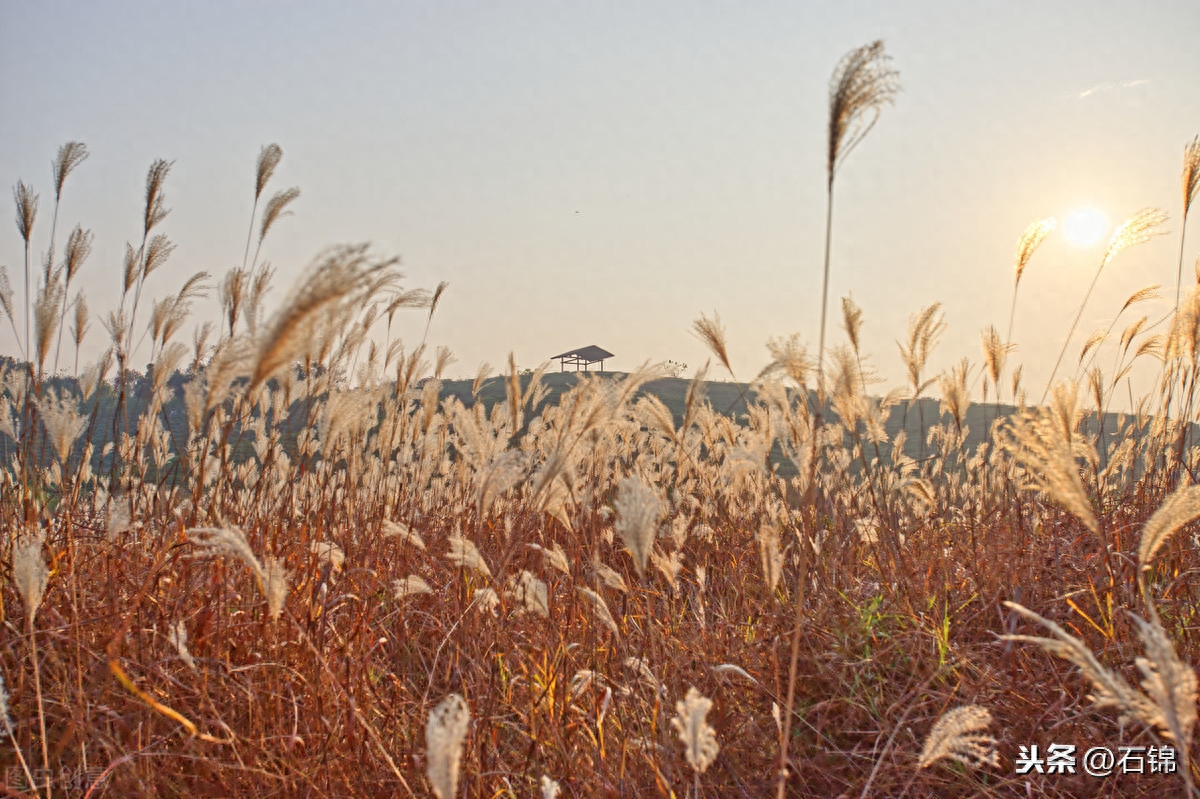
605, 172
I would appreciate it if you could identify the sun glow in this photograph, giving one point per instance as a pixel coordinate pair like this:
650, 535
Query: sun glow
1085, 227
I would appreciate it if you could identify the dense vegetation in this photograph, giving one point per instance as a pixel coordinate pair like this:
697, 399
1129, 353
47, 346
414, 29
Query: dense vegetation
303, 565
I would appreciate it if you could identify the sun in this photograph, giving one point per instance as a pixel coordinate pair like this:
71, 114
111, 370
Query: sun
1085, 227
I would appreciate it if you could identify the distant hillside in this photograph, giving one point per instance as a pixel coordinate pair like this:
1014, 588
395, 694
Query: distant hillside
725, 398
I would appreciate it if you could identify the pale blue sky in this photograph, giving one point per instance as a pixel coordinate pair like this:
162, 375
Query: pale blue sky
688, 136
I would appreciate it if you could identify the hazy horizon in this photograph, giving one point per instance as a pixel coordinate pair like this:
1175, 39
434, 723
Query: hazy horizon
599, 174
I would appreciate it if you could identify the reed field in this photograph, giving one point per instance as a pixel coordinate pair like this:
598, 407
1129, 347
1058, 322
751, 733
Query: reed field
287, 561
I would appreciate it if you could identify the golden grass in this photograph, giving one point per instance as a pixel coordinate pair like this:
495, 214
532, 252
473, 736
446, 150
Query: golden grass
444, 596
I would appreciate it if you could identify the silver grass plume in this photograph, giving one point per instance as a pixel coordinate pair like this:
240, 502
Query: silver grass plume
1180, 508
602, 612
699, 739
862, 83
638, 509
445, 732
29, 573
275, 579
554, 557
1027, 245
550, 788
710, 331
959, 735
63, 422
340, 274
268, 159
486, 600
27, 206
1167, 679
530, 592
463, 553
1139, 228
70, 155
668, 565
1045, 444
6, 720
505, 471
225, 541
328, 554
177, 637
403, 532
771, 556
275, 209
409, 586
610, 577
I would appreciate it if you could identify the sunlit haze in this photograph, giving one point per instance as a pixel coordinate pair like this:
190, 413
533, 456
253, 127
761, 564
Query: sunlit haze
603, 173
1085, 227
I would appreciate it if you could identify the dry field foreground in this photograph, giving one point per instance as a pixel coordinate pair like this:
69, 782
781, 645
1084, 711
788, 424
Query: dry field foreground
420, 596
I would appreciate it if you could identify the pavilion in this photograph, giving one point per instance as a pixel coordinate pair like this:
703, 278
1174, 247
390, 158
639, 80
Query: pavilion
584, 356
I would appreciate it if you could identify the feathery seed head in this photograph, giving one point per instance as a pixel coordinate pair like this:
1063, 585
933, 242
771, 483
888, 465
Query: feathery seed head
1030, 240
550, 788
70, 155
862, 83
27, 203
771, 556
6, 720
530, 592
328, 554
276, 208
403, 532
602, 612
1139, 228
157, 252
444, 734
6, 294
79, 247
852, 319
268, 158
790, 357
410, 585
274, 586
698, 738
445, 731
1044, 443
225, 541
1191, 174
957, 735
710, 331
156, 207
464, 554
638, 509
177, 637
64, 423
29, 573
79, 324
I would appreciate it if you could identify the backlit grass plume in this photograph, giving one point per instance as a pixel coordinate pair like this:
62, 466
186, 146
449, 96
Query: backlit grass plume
1168, 699
29, 573
1030, 240
464, 553
959, 735
638, 509
341, 274
1139, 228
861, 85
1045, 443
699, 740
1190, 180
445, 732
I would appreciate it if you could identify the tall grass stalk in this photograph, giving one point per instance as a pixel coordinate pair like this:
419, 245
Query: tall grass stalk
862, 83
